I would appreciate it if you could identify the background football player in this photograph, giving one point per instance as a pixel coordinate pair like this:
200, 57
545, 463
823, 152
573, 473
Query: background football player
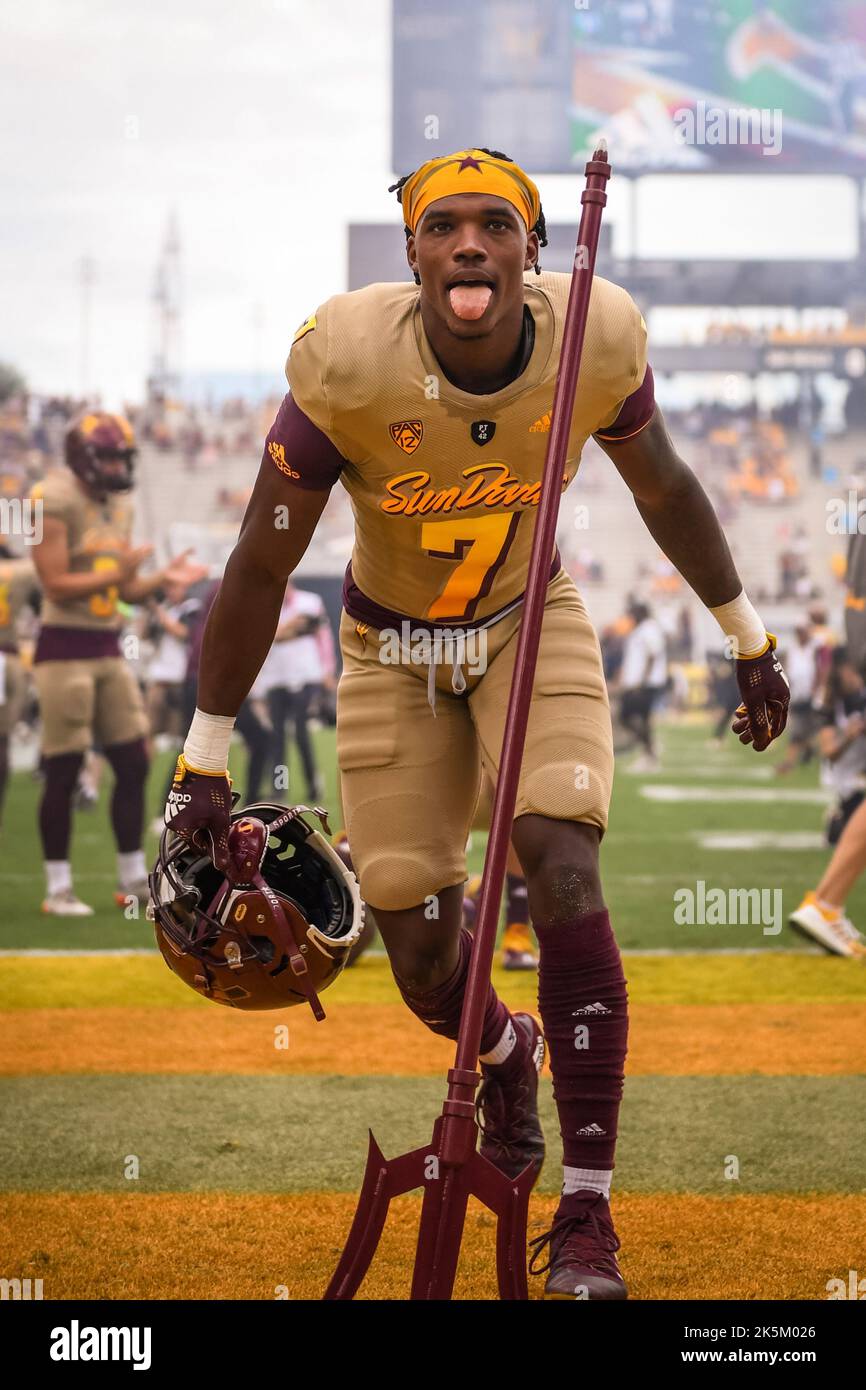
18, 587
517, 948
86, 689
430, 402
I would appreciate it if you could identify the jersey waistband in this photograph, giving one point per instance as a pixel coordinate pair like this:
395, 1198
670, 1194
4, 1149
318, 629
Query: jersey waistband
366, 610
75, 644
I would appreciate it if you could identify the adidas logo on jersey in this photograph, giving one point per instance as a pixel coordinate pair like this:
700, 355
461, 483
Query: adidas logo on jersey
541, 425
592, 1129
591, 1009
278, 456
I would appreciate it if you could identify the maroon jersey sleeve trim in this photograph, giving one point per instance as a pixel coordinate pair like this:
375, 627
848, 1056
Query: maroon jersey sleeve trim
635, 412
301, 451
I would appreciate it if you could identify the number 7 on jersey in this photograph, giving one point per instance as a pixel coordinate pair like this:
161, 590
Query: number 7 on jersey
481, 544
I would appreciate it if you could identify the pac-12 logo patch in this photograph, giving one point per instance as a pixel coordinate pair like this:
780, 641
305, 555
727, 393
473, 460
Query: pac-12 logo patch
407, 434
482, 431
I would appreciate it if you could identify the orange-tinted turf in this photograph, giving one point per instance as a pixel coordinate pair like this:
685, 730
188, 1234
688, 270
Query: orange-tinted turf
384, 1039
218, 1246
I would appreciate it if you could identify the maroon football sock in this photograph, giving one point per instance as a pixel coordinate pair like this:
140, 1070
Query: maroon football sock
516, 904
440, 1008
129, 763
583, 1003
55, 808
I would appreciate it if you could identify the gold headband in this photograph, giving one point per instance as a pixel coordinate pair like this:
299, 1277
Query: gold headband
469, 171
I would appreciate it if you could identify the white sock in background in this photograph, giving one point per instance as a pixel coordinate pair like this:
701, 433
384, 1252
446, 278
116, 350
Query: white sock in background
58, 877
583, 1179
131, 868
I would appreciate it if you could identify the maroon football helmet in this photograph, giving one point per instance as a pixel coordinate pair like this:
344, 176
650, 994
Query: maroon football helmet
100, 450
275, 928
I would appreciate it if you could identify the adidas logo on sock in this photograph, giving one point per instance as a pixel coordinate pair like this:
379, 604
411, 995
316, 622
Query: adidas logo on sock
591, 1009
592, 1129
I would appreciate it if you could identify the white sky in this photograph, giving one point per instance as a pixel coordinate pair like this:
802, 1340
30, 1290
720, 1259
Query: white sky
266, 125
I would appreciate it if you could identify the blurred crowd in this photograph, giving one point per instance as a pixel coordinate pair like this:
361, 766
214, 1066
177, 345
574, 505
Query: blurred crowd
32, 429
831, 332
201, 435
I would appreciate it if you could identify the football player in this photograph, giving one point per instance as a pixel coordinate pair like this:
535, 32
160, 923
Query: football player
18, 588
517, 948
430, 402
86, 688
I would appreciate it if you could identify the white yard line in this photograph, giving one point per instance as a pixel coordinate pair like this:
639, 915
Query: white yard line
795, 841
773, 795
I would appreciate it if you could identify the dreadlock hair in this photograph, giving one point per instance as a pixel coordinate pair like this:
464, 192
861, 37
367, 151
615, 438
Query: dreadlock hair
540, 227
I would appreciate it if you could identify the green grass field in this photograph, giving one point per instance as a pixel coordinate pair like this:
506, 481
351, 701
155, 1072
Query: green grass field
157, 1146
652, 849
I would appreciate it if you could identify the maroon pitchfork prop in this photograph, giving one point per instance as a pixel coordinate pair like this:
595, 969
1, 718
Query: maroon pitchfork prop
449, 1168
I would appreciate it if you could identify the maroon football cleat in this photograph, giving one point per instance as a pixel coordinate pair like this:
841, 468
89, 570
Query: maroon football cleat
507, 1110
583, 1245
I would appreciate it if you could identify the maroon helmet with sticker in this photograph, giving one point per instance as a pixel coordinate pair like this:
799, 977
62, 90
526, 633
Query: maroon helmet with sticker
100, 450
274, 929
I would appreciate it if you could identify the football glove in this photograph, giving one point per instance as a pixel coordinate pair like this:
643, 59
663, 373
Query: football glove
766, 695
199, 808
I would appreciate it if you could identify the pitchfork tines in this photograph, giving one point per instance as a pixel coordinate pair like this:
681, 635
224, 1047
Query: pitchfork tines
450, 1170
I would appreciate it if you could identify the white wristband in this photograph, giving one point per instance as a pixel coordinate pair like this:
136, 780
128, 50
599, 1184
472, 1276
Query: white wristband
207, 743
741, 625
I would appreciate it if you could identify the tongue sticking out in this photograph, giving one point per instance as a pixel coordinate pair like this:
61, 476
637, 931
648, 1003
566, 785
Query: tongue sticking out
469, 301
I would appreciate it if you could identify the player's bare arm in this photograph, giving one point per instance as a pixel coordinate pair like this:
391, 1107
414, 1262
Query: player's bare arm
61, 583
245, 614
276, 530
832, 743
677, 511
680, 517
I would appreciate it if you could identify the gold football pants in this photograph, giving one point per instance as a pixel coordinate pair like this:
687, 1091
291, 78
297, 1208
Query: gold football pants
410, 778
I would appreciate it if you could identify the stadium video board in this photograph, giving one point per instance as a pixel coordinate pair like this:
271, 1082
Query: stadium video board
720, 86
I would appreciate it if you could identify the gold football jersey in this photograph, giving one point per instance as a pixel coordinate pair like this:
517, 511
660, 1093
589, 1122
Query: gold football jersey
445, 484
97, 533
